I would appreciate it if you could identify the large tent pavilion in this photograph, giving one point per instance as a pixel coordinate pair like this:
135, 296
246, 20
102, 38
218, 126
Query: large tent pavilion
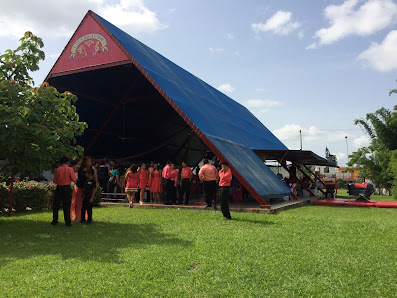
141, 106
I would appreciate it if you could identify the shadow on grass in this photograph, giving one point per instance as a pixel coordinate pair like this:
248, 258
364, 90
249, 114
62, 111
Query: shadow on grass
24, 238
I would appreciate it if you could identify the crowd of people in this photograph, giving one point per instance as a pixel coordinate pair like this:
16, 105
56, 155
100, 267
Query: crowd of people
167, 184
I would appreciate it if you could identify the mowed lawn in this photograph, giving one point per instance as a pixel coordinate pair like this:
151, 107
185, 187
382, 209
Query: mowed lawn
307, 251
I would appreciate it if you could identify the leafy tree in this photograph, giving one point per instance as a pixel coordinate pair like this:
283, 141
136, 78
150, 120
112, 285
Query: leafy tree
373, 164
38, 125
375, 160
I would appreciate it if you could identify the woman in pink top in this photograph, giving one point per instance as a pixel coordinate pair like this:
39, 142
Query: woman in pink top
150, 171
155, 185
143, 180
225, 178
131, 188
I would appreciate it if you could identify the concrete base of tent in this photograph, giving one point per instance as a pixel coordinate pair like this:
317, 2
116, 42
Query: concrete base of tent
354, 203
251, 206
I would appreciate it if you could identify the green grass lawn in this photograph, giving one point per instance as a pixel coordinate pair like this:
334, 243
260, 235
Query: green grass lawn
342, 193
307, 251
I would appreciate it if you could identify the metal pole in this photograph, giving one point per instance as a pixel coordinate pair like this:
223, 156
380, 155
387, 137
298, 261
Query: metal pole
300, 136
347, 150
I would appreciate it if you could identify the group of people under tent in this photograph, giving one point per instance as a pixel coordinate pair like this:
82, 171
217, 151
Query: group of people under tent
168, 183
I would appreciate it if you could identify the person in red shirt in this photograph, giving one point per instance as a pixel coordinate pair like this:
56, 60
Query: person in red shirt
186, 177
63, 178
209, 175
225, 176
167, 187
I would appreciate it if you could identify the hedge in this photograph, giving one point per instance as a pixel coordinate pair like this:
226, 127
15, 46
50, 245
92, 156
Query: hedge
33, 195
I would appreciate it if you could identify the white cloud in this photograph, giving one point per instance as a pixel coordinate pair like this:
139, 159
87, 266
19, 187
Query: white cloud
229, 36
359, 142
280, 23
59, 19
131, 15
383, 56
54, 55
313, 46
258, 106
340, 156
216, 50
351, 18
301, 34
291, 131
226, 88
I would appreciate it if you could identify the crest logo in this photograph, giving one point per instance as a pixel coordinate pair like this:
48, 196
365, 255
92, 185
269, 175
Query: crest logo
89, 45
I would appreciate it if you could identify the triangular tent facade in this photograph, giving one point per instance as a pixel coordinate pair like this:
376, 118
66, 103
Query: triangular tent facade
138, 104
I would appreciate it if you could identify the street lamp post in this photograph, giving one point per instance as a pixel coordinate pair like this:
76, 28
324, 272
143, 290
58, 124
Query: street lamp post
347, 150
300, 137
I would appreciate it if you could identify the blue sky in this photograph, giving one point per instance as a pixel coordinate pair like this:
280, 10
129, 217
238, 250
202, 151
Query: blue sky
310, 65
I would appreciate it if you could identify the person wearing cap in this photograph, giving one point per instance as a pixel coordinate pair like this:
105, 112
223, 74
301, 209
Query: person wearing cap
63, 178
225, 178
209, 175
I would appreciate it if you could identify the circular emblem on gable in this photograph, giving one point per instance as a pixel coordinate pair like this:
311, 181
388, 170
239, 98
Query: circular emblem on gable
89, 45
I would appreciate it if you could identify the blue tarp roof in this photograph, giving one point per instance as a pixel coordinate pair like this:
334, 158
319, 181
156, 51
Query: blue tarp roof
230, 126
214, 113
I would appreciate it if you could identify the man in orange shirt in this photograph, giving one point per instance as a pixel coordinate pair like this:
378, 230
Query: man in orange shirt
63, 178
209, 175
225, 176
174, 184
186, 177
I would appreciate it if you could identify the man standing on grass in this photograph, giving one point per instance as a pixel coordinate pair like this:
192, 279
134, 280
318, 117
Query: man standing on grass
225, 176
209, 175
63, 178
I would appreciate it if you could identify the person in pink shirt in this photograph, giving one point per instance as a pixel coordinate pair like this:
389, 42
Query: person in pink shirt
225, 178
209, 175
186, 177
63, 178
155, 185
143, 181
167, 187
174, 183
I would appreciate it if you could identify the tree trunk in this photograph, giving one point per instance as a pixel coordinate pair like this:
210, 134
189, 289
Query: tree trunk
11, 194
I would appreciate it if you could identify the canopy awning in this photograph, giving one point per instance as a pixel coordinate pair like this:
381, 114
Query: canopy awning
302, 157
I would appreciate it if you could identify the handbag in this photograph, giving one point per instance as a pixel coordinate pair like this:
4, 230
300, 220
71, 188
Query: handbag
113, 179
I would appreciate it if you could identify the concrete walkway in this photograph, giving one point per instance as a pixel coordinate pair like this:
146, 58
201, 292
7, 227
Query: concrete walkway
235, 207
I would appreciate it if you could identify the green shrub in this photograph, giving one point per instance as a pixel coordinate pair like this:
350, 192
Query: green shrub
31, 194
34, 195
341, 183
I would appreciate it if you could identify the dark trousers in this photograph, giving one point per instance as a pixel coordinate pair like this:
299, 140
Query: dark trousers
209, 188
172, 192
63, 194
87, 206
104, 184
168, 189
185, 190
225, 197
